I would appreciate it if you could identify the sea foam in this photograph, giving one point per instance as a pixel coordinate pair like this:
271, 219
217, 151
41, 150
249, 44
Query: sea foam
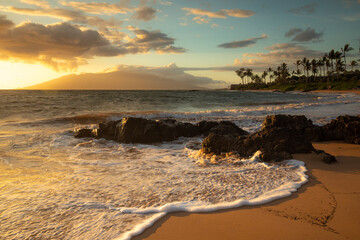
284, 190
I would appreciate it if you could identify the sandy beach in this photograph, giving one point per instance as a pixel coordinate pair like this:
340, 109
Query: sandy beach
327, 207
357, 91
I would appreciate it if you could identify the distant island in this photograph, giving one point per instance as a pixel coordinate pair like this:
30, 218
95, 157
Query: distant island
326, 73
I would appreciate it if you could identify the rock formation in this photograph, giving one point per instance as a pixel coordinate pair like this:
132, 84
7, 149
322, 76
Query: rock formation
279, 137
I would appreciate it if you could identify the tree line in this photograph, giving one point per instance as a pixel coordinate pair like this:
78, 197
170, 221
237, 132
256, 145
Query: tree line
326, 68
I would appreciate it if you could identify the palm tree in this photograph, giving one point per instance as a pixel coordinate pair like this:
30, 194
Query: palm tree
271, 76
353, 64
270, 70
327, 64
346, 49
263, 76
276, 75
314, 65
325, 59
306, 64
240, 73
331, 56
321, 63
297, 64
335, 56
339, 67
248, 73
256, 78
283, 71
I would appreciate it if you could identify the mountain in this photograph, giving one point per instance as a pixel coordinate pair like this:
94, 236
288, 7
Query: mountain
120, 80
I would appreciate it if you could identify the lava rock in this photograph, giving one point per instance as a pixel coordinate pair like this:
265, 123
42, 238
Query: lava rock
226, 128
346, 128
84, 133
299, 123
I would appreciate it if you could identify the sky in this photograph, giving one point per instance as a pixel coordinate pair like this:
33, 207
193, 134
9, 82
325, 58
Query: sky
201, 40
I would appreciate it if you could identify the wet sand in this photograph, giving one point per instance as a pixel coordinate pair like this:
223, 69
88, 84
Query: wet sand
327, 207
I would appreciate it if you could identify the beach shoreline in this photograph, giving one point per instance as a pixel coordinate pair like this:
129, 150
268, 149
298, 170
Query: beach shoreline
356, 91
324, 208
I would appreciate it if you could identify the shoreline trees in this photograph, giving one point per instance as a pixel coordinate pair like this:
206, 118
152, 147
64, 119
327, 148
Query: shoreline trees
329, 68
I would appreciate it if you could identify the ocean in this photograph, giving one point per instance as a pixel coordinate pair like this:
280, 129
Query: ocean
54, 186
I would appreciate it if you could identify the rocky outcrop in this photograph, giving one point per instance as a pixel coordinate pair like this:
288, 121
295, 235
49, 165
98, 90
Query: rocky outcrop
276, 144
82, 133
283, 135
298, 123
346, 128
279, 137
140, 130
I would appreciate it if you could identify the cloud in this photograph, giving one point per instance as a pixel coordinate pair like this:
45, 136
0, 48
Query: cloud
201, 12
152, 40
352, 18
203, 15
168, 3
63, 47
243, 43
145, 14
134, 78
59, 46
278, 53
5, 24
68, 15
293, 31
239, 13
306, 35
307, 9
39, 3
98, 7
201, 20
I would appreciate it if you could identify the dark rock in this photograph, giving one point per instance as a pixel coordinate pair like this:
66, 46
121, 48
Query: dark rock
107, 130
187, 130
140, 130
226, 128
205, 126
83, 133
299, 123
275, 144
345, 128
328, 158
218, 144
274, 156
314, 133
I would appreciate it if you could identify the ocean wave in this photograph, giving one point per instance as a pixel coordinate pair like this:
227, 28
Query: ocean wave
216, 115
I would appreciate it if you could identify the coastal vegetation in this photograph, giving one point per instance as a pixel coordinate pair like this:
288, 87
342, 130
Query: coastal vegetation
329, 72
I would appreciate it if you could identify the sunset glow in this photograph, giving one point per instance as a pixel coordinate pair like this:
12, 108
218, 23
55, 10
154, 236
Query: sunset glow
43, 40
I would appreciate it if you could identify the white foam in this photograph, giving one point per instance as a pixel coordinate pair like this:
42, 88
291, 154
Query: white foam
284, 190
141, 227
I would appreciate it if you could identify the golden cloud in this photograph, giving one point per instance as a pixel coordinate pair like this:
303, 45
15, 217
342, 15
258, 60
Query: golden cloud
223, 13
64, 47
99, 7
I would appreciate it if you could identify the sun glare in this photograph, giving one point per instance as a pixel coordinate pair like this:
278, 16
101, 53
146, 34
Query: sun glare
19, 75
